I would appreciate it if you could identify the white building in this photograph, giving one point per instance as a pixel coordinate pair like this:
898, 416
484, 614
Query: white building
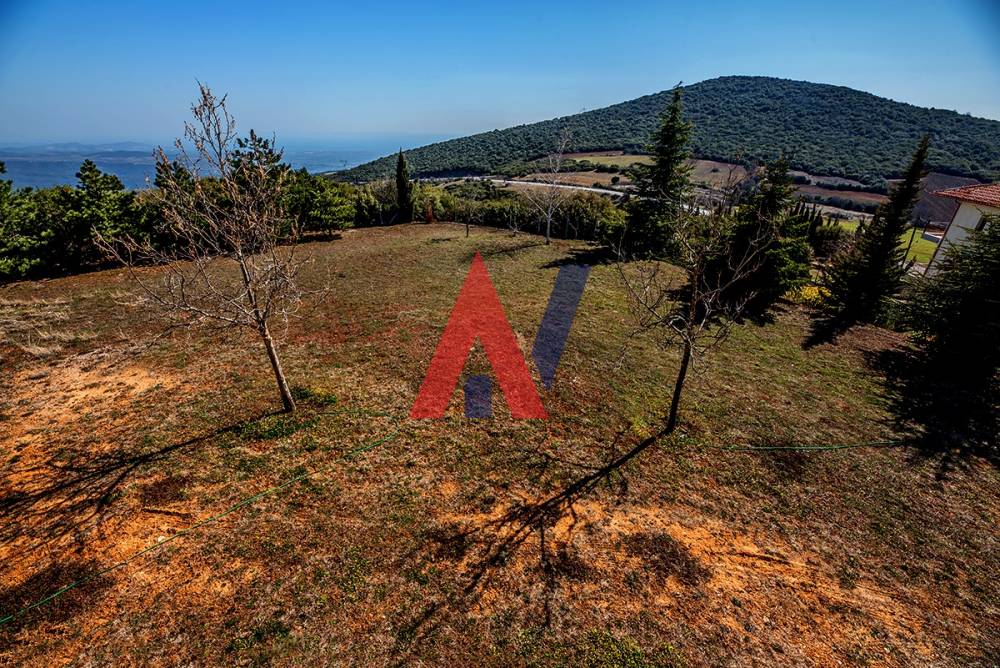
975, 203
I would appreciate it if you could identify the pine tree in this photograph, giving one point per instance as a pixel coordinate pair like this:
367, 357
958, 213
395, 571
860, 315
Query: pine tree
668, 179
770, 220
663, 186
404, 189
952, 387
865, 274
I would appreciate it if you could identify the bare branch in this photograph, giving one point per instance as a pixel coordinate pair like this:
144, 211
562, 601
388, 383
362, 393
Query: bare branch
221, 257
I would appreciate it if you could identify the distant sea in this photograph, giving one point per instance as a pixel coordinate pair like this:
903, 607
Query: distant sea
44, 165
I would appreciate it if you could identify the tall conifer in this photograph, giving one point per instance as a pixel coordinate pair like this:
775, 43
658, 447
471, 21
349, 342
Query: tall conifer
404, 189
869, 271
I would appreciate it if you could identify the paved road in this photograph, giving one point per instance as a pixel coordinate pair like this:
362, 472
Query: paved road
603, 191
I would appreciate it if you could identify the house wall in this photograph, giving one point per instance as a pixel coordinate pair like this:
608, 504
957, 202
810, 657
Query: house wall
966, 219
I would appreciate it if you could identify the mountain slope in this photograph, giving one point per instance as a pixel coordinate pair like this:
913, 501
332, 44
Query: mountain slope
830, 130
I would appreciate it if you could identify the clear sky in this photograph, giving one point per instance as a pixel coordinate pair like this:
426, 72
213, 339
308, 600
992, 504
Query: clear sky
108, 71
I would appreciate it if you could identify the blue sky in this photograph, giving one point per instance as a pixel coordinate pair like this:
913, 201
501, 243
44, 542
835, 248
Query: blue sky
105, 71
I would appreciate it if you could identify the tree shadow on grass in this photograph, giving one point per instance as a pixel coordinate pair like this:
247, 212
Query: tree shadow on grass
586, 255
950, 417
825, 329
508, 250
15, 598
62, 498
496, 542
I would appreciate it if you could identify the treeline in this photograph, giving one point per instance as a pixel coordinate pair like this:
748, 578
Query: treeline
821, 129
56, 231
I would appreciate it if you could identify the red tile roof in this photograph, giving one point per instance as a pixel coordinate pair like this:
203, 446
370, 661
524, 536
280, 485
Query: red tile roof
987, 193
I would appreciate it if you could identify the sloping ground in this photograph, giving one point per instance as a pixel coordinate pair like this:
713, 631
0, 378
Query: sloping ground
453, 542
821, 129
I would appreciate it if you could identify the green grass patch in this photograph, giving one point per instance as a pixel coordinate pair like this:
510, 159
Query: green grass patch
921, 250
604, 650
274, 427
315, 397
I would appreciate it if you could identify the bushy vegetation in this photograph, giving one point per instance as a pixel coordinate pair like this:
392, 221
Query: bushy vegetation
580, 215
54, 231
767, 218
951, 388
822, 129
51, 231
824, 235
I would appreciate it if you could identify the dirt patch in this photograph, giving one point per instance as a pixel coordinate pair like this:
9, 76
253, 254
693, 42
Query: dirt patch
762, 590
62, 393
667, 557
64, 460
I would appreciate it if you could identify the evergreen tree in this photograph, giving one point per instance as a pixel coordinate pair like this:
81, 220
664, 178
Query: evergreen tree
100, 204
868, 272
952, 386
668, 179
771, 226
663, 186
404, 189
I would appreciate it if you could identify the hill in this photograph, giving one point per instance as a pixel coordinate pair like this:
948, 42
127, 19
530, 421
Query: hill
824, 129
430, 547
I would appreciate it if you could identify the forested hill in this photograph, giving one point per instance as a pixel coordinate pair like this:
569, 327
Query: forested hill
828, 130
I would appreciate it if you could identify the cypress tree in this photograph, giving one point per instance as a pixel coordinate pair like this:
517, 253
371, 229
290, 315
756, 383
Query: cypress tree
668, 180
864, 275
404, 189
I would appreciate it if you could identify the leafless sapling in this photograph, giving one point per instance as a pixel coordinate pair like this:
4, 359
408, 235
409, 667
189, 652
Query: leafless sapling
222, 255
693, 312
548, 198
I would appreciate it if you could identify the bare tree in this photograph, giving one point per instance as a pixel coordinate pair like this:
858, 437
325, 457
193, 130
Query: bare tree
548, 199
224, 263
695, 313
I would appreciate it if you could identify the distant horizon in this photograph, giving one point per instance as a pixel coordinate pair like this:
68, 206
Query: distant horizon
45, 164
297, 142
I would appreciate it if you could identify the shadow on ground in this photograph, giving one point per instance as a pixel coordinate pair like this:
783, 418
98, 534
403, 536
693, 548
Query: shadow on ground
63, 498
496, 542
948, 415
585, 255
14, 599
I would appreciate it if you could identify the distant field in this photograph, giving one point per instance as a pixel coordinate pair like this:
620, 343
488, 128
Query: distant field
715, 174
853, 195
582, 178
611, 158
921, 250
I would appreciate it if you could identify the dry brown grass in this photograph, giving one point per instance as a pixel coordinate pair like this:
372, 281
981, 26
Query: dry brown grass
434, 549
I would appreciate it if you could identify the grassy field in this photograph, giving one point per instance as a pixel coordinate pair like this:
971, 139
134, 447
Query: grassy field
921, 250
611, 158
453, 541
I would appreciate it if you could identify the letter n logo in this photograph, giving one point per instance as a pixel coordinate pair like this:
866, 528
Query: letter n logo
478, 314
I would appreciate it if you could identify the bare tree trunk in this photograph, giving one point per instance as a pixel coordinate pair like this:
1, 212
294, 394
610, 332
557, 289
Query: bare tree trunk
675, 402
548, 229
248, 175
279, 375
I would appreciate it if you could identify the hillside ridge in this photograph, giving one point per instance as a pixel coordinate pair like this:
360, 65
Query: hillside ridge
822, 128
